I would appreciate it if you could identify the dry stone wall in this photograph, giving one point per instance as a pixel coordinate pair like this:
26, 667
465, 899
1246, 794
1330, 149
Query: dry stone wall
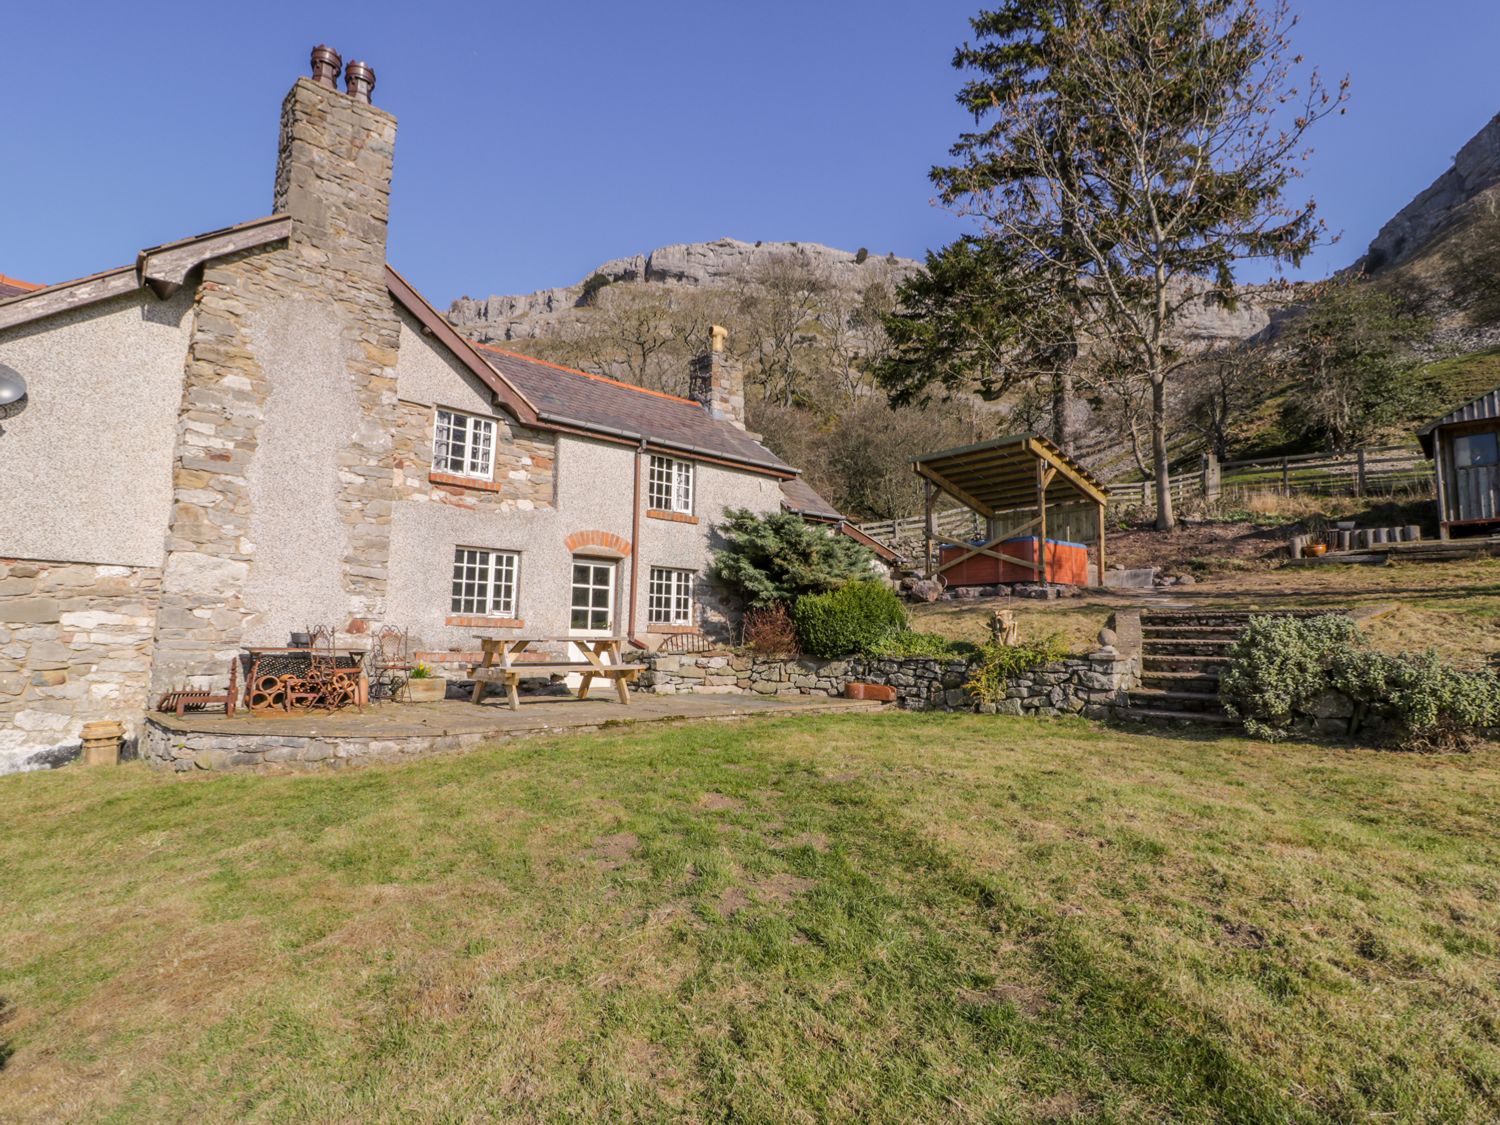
1095, 685
75, 646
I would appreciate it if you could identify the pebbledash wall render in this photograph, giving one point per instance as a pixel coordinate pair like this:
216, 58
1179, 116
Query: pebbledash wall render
233, 438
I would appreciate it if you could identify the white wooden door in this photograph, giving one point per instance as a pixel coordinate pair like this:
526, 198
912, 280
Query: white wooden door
591, 611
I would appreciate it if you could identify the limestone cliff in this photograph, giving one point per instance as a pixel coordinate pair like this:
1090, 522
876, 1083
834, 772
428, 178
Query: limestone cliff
1446, 202
726, 263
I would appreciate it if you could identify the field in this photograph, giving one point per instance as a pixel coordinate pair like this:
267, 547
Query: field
1453, 607
874, 918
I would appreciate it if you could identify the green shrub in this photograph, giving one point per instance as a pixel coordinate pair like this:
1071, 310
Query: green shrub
996, 665
1433, 706
1282, 664
854, 618
1279, 666
591, 288
779, 557
909, 644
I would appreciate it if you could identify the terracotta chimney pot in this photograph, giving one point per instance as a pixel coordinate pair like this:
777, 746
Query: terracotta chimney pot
359, 81
325, 66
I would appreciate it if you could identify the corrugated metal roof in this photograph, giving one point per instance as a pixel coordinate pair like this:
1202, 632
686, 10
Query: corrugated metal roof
1481, 409
1485, 406
575, 398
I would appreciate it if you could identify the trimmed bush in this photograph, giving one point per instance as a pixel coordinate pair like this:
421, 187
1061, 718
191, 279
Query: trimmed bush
1279, 666
854, 618
1283, 664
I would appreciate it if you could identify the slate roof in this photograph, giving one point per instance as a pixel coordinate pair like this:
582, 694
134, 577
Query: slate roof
802, 498
13, 287
568, 397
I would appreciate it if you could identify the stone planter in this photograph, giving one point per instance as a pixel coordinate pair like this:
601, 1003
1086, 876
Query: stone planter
427, 690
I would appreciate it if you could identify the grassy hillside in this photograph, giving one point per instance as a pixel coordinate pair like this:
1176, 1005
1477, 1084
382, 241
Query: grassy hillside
888, 918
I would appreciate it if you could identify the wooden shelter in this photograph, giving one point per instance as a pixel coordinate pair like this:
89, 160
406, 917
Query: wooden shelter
1011, 482
1465, 451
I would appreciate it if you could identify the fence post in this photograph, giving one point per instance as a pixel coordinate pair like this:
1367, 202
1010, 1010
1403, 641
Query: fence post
1359, 477
1286, 479
1211, 477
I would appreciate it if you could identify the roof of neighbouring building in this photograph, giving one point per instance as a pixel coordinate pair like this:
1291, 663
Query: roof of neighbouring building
803, 499
14, 287
1481, 409
566, 396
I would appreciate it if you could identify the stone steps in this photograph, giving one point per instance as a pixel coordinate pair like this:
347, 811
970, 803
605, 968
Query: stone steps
1183, 662
1178, 646
1204, 681
1182, 654
1222, 632
1189, 718
1160, 699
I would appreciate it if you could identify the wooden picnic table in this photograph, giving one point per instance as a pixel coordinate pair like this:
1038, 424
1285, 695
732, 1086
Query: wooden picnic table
502, 665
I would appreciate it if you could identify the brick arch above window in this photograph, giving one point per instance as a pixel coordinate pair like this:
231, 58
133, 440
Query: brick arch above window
598, 542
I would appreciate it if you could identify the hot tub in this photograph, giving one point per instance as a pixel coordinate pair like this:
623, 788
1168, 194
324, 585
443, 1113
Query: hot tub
1067, 563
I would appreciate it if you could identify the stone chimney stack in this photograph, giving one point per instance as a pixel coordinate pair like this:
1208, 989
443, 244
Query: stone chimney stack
333, 167
717, 382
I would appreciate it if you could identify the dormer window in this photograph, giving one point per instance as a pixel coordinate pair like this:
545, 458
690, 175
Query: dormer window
463, 445
670, 485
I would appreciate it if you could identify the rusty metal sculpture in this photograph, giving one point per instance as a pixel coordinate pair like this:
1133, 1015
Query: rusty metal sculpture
316, 675
190, 700
326, 683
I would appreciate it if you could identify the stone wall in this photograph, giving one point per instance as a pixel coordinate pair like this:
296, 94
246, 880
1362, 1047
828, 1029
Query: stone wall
1094, 685
524, 478
75, 646
283, 489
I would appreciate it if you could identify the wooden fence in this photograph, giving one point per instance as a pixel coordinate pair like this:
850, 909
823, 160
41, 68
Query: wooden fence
1379, 471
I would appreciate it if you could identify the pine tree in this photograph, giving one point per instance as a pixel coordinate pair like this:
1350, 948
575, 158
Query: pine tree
1141, 149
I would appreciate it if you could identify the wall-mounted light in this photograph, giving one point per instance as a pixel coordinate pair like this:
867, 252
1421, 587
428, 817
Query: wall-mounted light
12, 392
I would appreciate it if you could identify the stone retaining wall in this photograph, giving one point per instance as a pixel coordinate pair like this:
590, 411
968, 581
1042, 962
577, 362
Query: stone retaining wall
1092, 685
75, 646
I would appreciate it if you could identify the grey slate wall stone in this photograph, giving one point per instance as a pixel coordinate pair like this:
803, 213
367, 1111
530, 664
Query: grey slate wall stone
1094, 685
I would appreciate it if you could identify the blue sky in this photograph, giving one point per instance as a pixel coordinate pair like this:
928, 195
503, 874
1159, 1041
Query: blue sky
538, 139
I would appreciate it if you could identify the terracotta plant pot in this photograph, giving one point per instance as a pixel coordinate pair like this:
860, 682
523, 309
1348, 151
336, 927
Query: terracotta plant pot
1318, 549
427, 690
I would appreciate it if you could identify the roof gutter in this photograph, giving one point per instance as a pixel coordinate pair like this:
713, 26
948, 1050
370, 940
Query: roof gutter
784, 471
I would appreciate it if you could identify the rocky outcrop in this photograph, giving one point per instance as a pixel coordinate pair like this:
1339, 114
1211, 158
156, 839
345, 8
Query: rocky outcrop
723, 264
1475, 169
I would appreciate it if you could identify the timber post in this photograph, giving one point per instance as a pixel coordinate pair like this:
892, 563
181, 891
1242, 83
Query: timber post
1103, 562
927, 511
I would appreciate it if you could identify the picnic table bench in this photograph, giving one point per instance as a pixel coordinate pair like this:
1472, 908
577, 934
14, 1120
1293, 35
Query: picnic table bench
503, 667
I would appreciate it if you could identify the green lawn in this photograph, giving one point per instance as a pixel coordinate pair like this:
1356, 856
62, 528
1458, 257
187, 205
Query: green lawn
876, 918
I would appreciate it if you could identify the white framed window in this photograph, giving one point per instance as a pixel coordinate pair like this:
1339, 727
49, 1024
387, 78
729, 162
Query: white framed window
463, 444
593, 600
484, 582
670, 485
669, 597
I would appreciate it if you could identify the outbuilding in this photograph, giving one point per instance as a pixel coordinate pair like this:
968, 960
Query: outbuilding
1465, 450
